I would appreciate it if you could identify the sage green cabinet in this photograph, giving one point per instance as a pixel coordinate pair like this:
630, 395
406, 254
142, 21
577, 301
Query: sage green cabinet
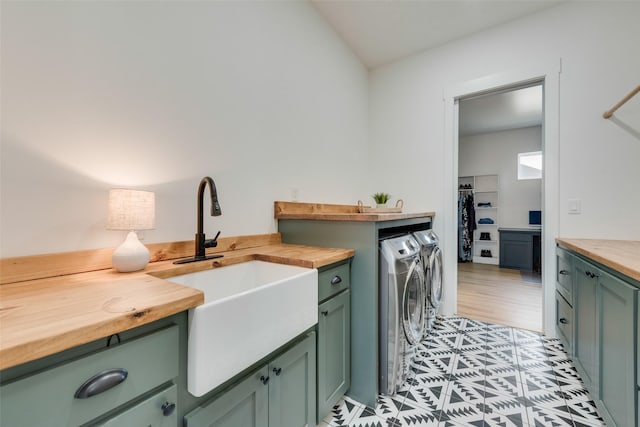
334, 354
155, 411
617, 307
279, 394
244, 405
585, 351
363, 236
564, 274
564, 323
606, 330
292, 386
149, 362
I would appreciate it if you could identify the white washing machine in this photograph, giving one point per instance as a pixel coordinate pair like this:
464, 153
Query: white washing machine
402, 309
432, 263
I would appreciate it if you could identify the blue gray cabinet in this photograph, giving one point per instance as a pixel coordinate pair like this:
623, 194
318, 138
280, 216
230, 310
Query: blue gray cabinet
606, 331
281, 393
122, 397
520, 249
363, 237
334, 339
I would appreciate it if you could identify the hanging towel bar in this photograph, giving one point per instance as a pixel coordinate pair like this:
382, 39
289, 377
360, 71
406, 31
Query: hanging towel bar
608, 114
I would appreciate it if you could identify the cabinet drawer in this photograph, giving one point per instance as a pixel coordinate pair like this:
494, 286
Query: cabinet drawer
149, 362
333, 280
149, 412
564, 323
564, 274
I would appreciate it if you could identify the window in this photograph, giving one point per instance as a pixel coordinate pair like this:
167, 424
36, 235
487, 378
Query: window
530, 165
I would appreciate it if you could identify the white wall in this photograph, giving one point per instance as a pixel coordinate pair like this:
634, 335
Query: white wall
262, 96
587, 157
496, 153
598, 158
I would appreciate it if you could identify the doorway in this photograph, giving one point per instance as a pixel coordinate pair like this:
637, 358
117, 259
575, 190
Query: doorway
549, 75
499, 197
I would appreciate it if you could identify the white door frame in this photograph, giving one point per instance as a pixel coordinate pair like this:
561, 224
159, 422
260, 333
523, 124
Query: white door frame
549, 76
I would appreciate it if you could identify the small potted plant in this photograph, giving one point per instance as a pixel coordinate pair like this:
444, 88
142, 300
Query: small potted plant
381, 199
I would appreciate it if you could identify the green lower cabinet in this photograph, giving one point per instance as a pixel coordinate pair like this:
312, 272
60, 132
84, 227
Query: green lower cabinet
84, 389
244, 405
617, 310
158, 410
334, 355
606, 335
292, 386
280, 394
585, 346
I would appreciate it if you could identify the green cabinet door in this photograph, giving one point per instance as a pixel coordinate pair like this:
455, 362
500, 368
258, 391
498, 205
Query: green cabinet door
244, 405
158, 410
292, 386
585, 345
334, 355
617, 311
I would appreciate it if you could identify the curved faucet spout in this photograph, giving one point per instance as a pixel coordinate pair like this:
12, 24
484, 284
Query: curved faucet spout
201, 243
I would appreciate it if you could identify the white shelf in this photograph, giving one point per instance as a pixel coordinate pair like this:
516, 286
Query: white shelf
486, 190
486, 260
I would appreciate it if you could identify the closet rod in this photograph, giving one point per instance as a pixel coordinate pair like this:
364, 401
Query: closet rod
608, 114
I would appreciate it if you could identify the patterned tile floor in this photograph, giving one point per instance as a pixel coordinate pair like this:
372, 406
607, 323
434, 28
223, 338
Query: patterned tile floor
471, 373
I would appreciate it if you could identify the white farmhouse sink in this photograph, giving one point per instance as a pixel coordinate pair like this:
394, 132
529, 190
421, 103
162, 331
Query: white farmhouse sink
250, 309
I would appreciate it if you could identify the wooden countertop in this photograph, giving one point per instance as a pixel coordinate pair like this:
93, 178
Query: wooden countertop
619, 255
45, 316
329, 212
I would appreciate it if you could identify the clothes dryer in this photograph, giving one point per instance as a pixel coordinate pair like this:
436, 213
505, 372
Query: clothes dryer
401, 316
431, 256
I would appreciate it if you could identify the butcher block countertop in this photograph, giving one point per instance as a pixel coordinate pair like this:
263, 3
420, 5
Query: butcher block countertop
619, 255
43, 316
329, 212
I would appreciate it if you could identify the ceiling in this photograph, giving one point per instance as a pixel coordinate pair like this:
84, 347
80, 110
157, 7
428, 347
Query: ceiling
383, 31
513, 109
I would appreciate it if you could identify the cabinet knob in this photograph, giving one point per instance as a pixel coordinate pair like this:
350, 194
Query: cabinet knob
563, 321
264, 379
277, 371
563, 272
324, 313
168, 408
336, 279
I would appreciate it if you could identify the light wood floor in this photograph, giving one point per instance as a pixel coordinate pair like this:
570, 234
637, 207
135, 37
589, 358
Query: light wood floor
499, 295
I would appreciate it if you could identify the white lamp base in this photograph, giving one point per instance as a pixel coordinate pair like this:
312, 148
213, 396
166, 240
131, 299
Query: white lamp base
131, 255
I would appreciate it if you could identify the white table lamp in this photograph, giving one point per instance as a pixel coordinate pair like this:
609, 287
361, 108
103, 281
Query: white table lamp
131, 210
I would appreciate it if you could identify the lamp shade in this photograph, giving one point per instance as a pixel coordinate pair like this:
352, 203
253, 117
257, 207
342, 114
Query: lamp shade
131, 209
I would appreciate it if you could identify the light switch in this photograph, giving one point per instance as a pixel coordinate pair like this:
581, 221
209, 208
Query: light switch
574, 206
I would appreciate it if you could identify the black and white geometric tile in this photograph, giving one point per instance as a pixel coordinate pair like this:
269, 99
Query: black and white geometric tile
471, 373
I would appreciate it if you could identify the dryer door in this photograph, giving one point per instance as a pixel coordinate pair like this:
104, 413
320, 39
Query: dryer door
413, 304
435, 278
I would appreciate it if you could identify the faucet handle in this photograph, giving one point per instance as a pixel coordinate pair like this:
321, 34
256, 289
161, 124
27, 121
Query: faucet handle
212, 243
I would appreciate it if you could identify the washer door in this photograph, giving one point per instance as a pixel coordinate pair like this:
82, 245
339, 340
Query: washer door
435, 277
413, 304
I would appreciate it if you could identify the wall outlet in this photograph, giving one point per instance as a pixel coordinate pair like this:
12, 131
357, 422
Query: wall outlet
574, 206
